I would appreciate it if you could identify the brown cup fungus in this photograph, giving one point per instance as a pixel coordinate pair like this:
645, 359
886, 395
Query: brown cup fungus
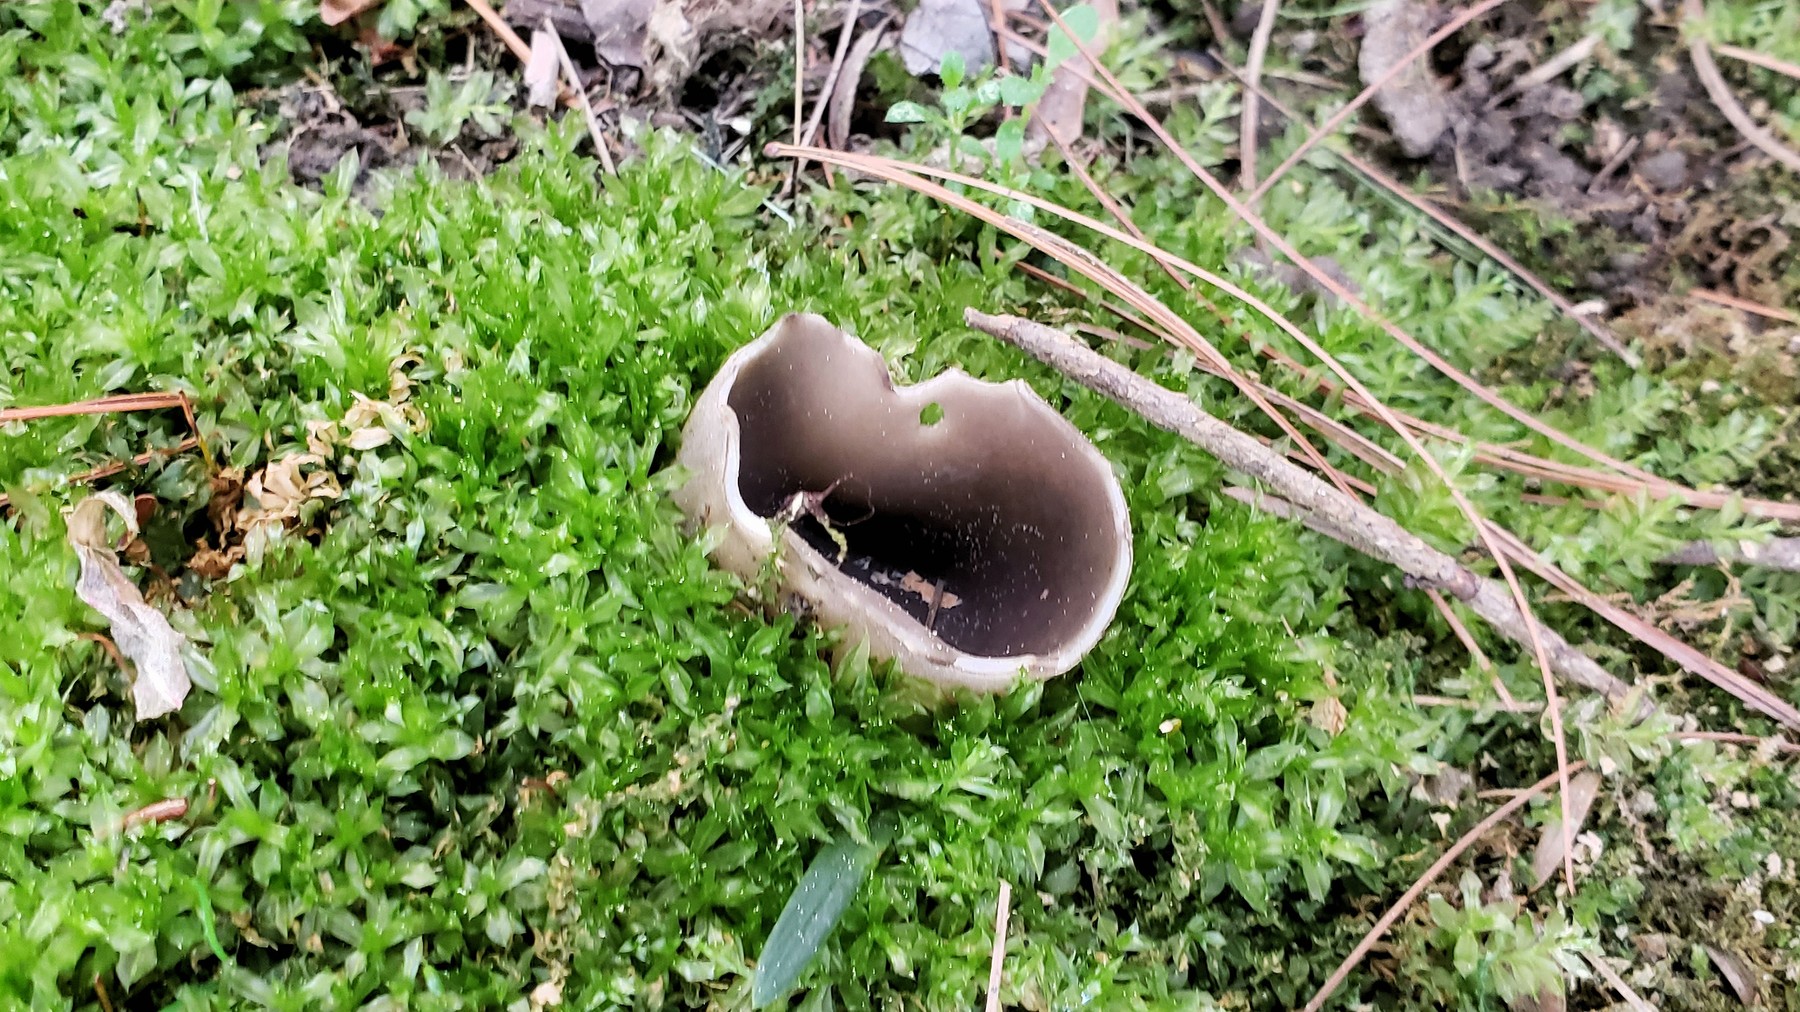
959, 527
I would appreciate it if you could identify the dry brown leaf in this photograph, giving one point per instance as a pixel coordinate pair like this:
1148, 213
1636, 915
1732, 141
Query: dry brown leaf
280, 489
213, 563
1059, 111
1549, 854
843, 95
336, 12
1740, 976
142, 633
621, 29
227, 496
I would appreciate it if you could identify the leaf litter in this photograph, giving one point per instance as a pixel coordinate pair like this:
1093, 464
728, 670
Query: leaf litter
160, 680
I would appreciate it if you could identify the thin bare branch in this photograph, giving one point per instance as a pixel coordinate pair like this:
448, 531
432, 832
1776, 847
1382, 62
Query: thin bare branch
1733, 302
1775, 553
831, 77
97, 406
1331, 511
1437, 868
1757, 59
108, 470
1253, 66
573, 82
494, 21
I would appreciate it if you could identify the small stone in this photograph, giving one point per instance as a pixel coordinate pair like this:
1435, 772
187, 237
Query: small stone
1665, 170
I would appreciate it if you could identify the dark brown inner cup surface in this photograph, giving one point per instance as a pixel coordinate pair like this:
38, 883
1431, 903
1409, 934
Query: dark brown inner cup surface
992, 501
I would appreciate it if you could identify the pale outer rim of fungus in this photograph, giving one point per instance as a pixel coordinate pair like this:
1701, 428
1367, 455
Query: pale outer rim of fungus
840, 600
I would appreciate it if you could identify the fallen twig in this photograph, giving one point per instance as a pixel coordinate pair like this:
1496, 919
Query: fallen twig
1752, 693
1757, 59
1084, 262
1700, 52
997, 961
519, 48
156, 811
1775, 553
1331, 511
97, 406
115, 402
1550, 69
1437, 868
1781, 745
108, 470
1733, 302
831, 78
573, 80
502, 29
1259, 48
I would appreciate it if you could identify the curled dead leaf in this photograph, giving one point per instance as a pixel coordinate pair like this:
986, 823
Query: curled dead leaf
1549, 854
369, 437
1736, 973
142, 633
214, 563
280, 489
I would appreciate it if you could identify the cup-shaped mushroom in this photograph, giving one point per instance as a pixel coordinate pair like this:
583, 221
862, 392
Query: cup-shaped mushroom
962, 528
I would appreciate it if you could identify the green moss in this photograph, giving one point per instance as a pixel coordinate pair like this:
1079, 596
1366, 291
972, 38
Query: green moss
489, 720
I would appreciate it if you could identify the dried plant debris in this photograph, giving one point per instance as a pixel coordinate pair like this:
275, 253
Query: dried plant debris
666, 41
160, 679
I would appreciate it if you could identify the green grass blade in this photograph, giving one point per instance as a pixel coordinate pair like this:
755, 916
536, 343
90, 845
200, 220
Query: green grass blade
824, 891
